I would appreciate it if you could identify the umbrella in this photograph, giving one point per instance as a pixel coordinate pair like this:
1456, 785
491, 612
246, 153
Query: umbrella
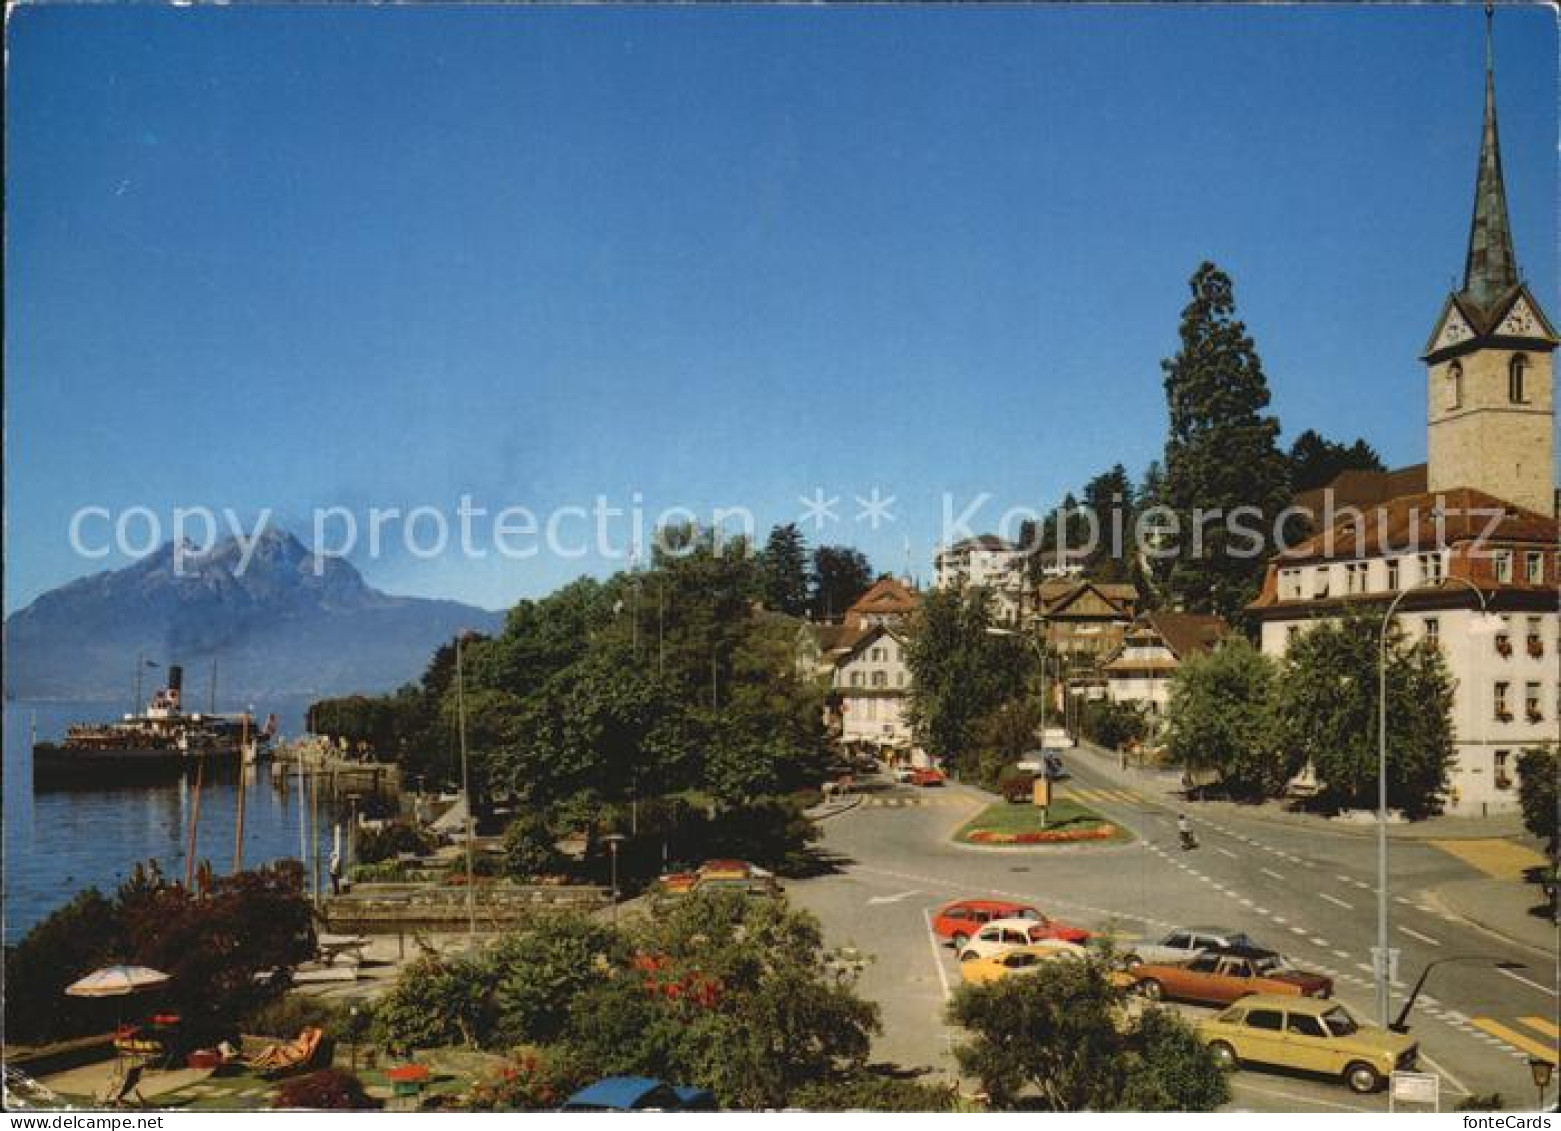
117, 981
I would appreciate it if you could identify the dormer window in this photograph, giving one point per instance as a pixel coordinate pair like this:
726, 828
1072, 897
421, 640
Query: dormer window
1455, 385
1517, 370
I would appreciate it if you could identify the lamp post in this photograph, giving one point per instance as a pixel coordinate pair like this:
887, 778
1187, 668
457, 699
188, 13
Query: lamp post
1541, 1069
1401, 1023
613, 840
1380, 963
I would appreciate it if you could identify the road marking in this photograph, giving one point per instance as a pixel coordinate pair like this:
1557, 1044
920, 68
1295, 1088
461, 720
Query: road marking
1275, 875
1541, 1025
1526, 982
1335, 901
1414, 934
1516, 1039
1225, 852
1298, 930
1237, 1085
1457, 1084
1341, 954
1320, 942
893, 898
937, 955
1499, 859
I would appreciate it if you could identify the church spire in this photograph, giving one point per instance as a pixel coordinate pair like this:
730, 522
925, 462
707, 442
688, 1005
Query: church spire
1491, 268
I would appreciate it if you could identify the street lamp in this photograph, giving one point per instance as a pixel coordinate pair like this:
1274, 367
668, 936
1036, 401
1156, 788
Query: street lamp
1401, 1025
1541, 1068
613, 840
1381, 964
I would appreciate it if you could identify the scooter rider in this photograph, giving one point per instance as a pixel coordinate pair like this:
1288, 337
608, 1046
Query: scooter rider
1184, 830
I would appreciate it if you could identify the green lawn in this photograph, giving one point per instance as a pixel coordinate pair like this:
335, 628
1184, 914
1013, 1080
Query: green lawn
1065, 815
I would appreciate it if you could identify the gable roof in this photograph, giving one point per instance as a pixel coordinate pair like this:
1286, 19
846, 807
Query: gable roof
1423, 522
1355, 486
1186, 634
845, 653
888, 596
1058, 594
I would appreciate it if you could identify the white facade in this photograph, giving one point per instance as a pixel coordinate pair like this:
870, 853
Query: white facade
873, 685
1506, 697
991, 564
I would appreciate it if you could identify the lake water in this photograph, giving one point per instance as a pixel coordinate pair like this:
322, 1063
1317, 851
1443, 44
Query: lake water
58, 842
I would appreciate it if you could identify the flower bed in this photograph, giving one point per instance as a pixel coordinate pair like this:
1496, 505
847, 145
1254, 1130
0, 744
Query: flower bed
1041, 836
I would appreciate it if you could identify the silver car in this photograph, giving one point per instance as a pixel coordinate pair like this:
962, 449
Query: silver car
1185, 944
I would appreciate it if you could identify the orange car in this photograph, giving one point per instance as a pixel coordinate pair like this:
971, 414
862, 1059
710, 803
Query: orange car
1220, 977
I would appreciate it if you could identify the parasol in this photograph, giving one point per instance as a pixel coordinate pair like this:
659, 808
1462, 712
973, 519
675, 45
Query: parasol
117, 981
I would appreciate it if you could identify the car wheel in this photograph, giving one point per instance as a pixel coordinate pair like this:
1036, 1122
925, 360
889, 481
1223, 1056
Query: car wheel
1224, 1055
1152, 989
960, 939
1362, 1078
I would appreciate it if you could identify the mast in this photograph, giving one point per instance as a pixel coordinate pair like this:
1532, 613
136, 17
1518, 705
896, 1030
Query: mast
466, 792
195, 820
243, 773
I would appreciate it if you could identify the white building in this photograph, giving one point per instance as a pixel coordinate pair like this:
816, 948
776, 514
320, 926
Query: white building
988, 562
871, 684
1141, 669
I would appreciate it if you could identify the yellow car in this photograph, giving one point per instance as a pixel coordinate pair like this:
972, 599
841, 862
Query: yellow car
1310, 1034
978, 970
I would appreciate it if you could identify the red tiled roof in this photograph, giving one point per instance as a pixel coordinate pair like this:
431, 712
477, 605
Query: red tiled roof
1424, 522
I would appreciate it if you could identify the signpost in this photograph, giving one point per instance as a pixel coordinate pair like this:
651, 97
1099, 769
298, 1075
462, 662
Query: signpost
1422, 1088
1042, 795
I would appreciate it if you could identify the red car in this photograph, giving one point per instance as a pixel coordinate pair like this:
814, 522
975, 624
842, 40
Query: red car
927, 777
960, 921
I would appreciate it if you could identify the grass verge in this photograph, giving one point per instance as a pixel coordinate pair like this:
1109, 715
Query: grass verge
1067, 822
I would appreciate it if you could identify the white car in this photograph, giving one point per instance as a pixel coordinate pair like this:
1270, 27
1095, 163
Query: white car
902, 774
1004, 934
1184, 944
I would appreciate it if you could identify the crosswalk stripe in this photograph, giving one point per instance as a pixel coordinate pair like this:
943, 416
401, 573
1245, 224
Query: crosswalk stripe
1516, 1039
1541, 1025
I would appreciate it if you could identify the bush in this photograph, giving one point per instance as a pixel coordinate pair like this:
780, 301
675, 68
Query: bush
327, 1090
434, 1002
530, 848
387, 841
286, 1016
533, 1080
72, 941
538, 973
873, 1091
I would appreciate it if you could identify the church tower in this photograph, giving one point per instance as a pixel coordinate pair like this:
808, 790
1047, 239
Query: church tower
1490, 406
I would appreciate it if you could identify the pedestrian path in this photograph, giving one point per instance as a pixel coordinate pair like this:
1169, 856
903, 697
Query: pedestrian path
1118, 796
1531, 1036
1499, 859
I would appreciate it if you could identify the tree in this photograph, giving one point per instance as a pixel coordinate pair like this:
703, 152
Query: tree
1110, 498
1327, 716
786, 571
1221, 454
72, 941
1537, 794
961, 670
840, 576
1060, 1039
1113, 725
1221, 720
1316, 460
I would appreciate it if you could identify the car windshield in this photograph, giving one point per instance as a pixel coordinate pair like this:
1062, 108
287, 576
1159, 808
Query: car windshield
1273, 964
1339, 1022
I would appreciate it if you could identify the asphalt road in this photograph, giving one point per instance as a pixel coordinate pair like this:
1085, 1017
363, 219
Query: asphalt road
1310, 896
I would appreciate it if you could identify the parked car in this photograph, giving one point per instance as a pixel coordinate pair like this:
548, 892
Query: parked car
903, 774
1005, 934
639, 1093
1310, 1035
715, 875
1017, 960
1219, 977
960, 921
1185, 944
1018, 787
926, 778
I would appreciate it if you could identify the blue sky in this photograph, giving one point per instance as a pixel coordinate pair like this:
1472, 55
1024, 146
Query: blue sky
302, 257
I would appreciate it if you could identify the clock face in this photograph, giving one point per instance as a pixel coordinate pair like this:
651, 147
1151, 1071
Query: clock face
1520, 320
1454, 330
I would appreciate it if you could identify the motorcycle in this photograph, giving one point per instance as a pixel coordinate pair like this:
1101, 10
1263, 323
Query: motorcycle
1189, 839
